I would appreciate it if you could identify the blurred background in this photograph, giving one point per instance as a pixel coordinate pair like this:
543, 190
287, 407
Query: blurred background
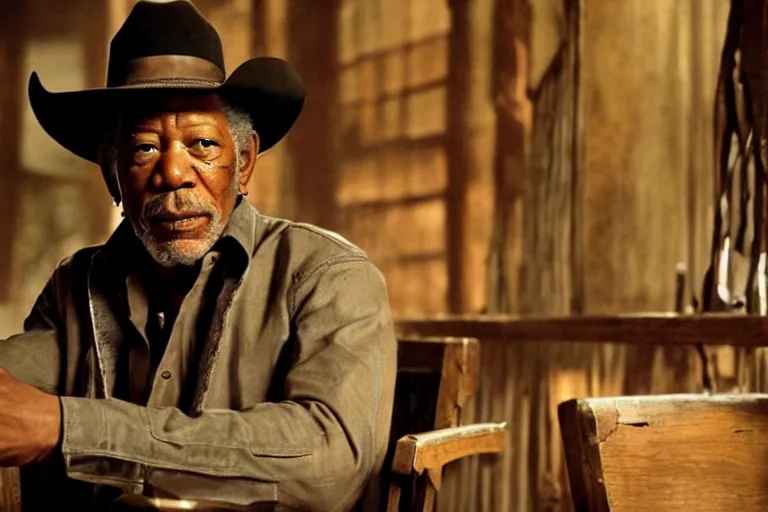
517, 156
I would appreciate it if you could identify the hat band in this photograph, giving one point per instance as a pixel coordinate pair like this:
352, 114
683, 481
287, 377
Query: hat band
172, 69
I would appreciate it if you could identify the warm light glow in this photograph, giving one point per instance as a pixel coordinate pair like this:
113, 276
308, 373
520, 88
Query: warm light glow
115, 218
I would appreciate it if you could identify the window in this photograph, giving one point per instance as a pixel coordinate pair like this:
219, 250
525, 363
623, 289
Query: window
391, 144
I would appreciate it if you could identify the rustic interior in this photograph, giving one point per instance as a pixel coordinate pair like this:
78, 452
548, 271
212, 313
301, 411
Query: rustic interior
533, 161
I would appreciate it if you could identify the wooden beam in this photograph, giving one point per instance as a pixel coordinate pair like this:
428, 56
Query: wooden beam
510, 167
458, 156
470, 142
651, 329
311, 141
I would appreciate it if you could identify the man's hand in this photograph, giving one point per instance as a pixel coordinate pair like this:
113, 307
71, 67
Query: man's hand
30, 422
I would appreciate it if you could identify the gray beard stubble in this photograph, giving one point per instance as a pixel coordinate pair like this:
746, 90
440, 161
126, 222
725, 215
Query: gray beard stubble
181, 201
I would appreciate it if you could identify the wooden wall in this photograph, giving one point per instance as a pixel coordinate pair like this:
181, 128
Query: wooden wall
395, 146
622, 164
640, 169
619, 191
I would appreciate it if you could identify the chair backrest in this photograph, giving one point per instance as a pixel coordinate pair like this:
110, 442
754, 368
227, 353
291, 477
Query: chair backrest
435, 379
667, 452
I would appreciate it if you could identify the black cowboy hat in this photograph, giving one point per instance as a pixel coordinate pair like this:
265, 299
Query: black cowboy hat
169, 47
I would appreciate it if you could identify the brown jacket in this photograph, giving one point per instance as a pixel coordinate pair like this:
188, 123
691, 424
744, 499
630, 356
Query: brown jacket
278, 386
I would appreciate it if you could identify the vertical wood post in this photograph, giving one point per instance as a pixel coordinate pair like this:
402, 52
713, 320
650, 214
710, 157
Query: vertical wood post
458, 158
311, 142
470, 142
510, 167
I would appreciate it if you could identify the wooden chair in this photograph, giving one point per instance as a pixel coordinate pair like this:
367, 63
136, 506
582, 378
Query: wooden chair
667, 452
435, 379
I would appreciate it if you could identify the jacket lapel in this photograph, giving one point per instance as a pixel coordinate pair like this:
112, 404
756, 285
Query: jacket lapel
216, 338
105, 329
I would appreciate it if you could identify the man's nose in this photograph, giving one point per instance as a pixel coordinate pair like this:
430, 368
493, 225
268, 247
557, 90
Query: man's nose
174, 170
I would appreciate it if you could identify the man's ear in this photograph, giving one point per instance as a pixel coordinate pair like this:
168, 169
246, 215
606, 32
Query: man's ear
248, 157
108, 171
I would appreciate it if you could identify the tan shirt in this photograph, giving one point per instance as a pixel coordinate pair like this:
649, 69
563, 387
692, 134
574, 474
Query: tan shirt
276, 384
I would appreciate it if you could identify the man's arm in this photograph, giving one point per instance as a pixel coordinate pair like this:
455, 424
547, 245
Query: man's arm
315, 450
34, 356
30, 413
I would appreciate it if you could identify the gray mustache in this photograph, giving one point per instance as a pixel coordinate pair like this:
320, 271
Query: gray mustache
177, 203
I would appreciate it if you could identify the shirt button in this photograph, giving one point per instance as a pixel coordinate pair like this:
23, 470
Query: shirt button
166, 375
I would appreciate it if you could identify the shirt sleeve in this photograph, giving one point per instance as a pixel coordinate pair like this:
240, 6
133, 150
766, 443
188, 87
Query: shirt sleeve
34, 356
316, 450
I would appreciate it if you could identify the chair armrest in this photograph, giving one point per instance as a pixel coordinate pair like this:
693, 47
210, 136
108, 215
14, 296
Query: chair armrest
432, 450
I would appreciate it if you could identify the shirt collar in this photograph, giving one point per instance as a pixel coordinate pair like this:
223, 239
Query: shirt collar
241, 229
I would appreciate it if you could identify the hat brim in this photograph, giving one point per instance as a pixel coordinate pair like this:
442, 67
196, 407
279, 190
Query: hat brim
267, 88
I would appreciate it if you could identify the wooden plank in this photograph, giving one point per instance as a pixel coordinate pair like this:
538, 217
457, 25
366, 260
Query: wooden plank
671, 452
552, 207
649, 329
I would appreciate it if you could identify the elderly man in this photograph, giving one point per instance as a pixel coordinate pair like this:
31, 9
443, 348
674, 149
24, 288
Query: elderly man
205, 351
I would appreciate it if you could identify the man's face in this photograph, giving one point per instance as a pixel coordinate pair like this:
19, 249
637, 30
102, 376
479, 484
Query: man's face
177, 172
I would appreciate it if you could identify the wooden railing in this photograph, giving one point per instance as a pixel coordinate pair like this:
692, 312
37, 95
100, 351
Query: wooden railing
668, 329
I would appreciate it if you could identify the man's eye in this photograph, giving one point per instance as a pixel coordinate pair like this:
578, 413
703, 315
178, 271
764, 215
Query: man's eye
205, 149
206, 143
144, 148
